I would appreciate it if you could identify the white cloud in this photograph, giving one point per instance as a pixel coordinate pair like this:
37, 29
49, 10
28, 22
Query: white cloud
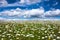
19, 3
55, 12
11, 12
35, 13
29, 1
25, 13
25, 2
3, 3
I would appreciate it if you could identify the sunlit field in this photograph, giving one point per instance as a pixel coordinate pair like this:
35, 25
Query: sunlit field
30, 30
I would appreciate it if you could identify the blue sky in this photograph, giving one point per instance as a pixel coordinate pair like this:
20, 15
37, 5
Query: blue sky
29, 9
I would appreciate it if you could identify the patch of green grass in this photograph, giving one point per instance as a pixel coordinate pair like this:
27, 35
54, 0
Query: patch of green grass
29, 31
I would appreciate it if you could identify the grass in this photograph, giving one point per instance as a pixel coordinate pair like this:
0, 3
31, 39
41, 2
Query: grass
30, 31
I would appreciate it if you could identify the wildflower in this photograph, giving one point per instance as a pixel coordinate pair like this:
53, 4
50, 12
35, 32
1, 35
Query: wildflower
17, 34
59, 32
17, 38
45, 31
46, 36
10, 30
8, 34
11, 39
4, 32
58, 37
30, 35
43, 28
6, 26
51, 35
0, 31
54, 39
54, 35
3, 35
2, 39
52, 32
43, 37
23, 35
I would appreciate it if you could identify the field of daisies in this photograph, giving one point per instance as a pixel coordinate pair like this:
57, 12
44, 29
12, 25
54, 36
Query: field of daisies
30, 31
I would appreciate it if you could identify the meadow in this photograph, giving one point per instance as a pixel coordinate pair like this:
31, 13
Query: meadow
30, 30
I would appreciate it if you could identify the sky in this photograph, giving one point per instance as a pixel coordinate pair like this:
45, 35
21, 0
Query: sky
29, 9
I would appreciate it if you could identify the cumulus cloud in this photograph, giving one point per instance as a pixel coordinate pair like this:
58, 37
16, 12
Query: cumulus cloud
12, 12
55, 12
19, 3
3, 3
25, 2
29, 1
34, 13
24, 13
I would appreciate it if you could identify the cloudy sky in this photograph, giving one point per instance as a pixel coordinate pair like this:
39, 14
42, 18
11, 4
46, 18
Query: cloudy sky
29, 9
